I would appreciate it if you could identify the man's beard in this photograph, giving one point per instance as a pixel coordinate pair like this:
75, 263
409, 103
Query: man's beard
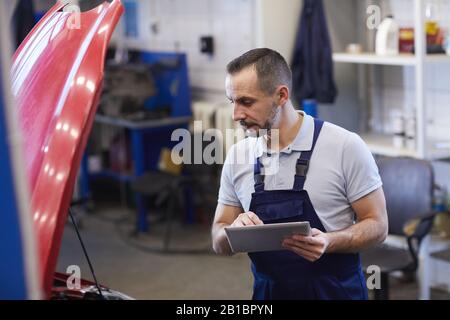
268, 125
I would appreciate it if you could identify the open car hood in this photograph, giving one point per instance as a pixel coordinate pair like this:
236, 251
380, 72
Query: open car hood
87, 291
57, 77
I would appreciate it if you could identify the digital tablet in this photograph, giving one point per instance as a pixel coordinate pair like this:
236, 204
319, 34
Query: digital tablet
264, 237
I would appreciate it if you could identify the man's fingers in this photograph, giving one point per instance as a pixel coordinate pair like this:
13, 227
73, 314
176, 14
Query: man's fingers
246, 220
303, 246
254, 218
237, 223
309, 240
299, 237
304, 253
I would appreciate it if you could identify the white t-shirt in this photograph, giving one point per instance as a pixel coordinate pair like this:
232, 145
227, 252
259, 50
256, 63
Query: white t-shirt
341, 171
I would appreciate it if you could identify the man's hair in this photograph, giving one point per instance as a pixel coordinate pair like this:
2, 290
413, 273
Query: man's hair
271, 68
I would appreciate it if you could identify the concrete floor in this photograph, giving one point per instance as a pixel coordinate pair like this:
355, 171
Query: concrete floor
146, 273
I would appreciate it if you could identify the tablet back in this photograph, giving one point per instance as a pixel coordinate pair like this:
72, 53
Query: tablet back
266, 237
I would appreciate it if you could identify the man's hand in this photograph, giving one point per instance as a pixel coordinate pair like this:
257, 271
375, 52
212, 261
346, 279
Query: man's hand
309, 247
246, 219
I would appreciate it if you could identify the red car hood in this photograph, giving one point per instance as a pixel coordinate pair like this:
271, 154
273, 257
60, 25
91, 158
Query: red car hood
56, 78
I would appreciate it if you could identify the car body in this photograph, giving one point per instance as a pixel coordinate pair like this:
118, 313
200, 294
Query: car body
57, 77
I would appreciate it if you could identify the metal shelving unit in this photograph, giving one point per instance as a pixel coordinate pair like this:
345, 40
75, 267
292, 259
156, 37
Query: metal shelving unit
382, 144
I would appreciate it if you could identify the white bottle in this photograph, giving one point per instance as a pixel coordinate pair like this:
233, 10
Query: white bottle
386, 42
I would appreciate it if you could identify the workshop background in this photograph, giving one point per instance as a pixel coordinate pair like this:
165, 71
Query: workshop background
145, 221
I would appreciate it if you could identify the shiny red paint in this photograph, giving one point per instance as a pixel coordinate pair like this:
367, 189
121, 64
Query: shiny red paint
57, 74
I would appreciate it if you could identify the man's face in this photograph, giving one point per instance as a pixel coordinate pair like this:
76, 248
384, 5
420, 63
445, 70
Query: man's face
253, 108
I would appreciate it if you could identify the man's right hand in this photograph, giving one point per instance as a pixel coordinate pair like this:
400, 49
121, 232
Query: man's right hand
246, 219
229, 216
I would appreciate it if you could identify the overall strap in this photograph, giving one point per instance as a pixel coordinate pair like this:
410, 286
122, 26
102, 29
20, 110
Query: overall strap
305, 156
258, 176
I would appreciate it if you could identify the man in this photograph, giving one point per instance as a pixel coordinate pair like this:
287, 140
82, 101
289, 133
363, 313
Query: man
326, 176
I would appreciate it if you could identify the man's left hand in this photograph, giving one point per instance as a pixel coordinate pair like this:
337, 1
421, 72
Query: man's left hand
309, 247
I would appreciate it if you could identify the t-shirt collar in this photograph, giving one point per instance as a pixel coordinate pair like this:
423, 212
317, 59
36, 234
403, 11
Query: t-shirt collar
302, 142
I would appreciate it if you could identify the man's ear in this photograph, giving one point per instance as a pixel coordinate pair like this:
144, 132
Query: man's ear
282, 95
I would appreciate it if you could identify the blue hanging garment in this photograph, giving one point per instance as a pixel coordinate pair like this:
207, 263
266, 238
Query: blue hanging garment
312, 65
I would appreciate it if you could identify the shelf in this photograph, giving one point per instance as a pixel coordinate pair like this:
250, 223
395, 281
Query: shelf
371, 58
437, 58
403, 59
439, 150
382, 145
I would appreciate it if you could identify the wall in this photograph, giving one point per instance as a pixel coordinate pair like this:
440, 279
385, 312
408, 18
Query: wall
343, 30
236, 25
177, 25
276, 25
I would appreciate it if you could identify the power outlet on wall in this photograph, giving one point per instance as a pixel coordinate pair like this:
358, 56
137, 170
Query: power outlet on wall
207, 45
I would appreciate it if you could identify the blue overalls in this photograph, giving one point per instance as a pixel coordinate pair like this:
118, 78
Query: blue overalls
285, 275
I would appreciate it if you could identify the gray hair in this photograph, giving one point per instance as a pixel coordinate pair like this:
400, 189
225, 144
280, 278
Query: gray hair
271, 68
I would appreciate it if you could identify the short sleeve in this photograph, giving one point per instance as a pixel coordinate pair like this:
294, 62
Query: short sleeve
227, 192
360, 169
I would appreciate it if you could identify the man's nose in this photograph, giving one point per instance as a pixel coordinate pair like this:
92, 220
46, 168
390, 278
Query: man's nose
238, 113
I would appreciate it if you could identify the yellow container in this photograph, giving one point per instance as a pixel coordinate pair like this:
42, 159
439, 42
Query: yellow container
442, 224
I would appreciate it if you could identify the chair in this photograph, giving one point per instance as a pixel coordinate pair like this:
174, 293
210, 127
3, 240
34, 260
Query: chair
408, 186
166, 188
173, 191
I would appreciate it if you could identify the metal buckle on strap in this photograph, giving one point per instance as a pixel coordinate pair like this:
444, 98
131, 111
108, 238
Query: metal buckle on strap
302, 167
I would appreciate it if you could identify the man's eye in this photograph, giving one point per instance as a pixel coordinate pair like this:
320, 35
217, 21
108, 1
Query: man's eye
247, 102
